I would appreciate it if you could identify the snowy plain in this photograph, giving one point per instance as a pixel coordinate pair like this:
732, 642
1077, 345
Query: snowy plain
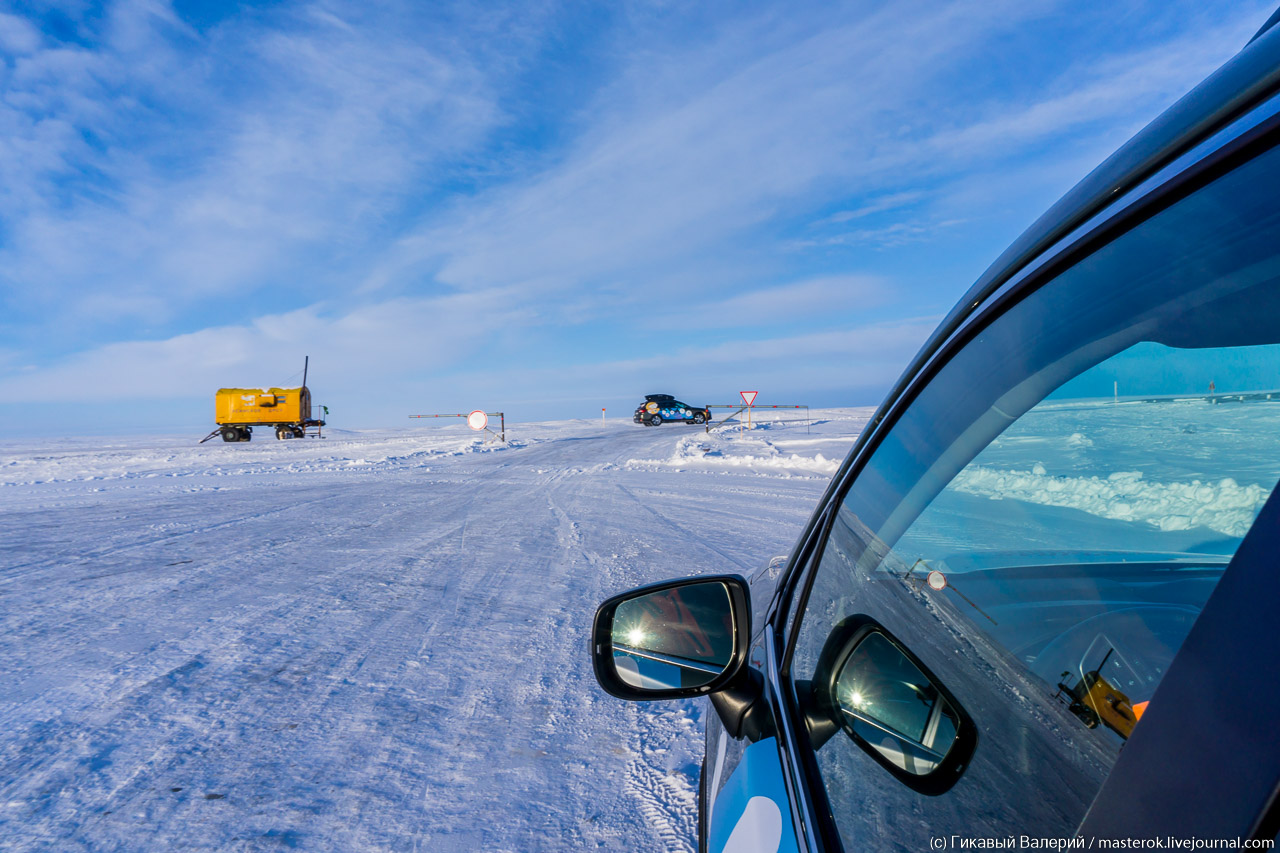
374, 641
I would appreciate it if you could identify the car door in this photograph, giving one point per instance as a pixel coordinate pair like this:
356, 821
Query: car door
1058, 541
746, 803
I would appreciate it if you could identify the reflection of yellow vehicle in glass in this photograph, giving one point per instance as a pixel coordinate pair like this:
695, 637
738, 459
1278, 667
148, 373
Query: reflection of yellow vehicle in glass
1094, 700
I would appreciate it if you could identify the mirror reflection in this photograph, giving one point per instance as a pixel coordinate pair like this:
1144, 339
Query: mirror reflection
889, 703
680, 637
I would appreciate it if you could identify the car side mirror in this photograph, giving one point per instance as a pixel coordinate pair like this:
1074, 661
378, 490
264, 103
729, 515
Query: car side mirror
869, 686
672, 639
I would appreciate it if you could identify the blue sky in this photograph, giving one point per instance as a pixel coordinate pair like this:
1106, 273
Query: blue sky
541, 207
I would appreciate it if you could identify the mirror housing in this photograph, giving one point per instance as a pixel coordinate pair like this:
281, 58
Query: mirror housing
673, 639
874, 690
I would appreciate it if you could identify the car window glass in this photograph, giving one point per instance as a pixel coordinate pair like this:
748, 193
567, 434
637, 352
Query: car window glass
1088, 497
1043, 524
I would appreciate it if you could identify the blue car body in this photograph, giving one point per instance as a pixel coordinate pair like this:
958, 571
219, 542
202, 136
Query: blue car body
662, 408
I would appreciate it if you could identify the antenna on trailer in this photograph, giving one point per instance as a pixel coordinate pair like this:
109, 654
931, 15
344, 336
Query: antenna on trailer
305, 364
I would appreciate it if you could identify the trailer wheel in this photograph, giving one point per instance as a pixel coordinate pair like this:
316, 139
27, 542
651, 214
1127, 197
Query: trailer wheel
230, 434
283, 432
299, 432
1087, 716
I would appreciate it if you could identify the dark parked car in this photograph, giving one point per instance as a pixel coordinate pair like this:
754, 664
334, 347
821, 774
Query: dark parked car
659, 408
1038, 600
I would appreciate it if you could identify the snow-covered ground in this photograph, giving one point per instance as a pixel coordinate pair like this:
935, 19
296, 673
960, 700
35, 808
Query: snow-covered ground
377, 641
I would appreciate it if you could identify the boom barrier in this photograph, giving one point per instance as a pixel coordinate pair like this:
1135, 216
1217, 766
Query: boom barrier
502, 420
739, 409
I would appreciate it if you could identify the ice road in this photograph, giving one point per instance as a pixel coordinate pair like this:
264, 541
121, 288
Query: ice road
377, 641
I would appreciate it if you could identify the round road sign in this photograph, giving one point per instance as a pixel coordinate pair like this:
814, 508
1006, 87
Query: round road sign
936, 580
477, 420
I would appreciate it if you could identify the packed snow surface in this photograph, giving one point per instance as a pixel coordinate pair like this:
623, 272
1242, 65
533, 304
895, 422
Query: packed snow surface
374, 641
379, 640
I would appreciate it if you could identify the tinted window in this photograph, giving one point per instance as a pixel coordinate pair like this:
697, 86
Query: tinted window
1079, 475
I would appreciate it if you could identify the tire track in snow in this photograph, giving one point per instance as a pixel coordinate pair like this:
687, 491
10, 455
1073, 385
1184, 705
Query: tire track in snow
665, 803
11, 573
360, 677
207, 677
684, 532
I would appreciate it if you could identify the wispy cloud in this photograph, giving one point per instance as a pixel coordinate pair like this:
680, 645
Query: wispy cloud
382, 343
889, 236
433, 188
814, 301
858, 362
669, 174
663, 178
305, 150
17, 36
893, 201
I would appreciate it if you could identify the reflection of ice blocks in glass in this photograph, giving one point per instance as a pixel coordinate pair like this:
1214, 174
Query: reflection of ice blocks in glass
1163, 470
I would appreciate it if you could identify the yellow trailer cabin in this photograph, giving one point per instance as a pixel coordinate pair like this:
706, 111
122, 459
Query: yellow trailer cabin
258, 406
239, 410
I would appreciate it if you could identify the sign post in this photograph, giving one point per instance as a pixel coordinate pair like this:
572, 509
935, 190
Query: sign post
749, 397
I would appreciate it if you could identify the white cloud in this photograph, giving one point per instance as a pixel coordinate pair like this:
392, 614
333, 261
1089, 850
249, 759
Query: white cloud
237, 184
17, 36
363, 349
702, 154
881, 204
814, 300
168, 180
850, 361
893, 235
1104, 93
658, 180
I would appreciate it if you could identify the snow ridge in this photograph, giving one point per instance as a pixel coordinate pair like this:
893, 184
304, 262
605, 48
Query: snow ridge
728, 450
